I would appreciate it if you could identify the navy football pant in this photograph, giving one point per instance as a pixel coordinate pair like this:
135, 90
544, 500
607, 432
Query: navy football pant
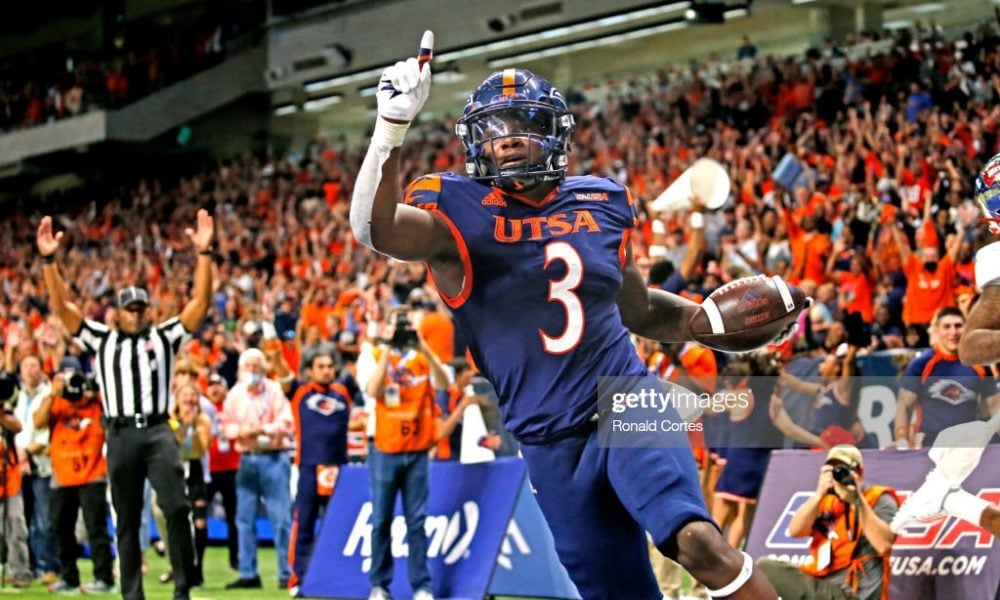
599, 501
307, 506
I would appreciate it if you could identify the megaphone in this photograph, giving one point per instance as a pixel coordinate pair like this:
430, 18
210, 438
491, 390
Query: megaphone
706, 180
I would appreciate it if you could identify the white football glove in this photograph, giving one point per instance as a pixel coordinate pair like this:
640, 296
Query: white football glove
401, 93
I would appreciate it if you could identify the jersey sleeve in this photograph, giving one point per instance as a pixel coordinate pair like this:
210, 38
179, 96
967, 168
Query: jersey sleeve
91, 334
174, 332
911, 377
423, 192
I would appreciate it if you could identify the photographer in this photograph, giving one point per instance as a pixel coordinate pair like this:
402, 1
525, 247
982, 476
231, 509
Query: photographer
851, 541
404, 384
72, 413
14, 529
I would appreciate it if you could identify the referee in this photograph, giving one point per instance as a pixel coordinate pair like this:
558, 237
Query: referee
133, 371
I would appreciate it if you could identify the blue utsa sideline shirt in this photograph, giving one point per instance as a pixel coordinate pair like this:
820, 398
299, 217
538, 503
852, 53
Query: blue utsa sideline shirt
321, 416
539, 297
948, 392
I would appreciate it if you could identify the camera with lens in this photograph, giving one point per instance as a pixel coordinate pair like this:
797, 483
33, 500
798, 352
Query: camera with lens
75, 386
405, 336
842, 475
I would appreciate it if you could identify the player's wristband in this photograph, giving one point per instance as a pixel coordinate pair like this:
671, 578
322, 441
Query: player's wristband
697, 220
388, 135
988, 265
48, 259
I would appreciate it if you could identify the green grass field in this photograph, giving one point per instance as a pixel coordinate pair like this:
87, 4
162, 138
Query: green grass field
217, 575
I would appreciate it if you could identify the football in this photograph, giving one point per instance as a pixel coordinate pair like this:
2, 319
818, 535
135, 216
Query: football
747, 313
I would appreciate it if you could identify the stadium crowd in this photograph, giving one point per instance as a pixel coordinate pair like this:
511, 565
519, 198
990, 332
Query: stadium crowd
880, 230
50, 85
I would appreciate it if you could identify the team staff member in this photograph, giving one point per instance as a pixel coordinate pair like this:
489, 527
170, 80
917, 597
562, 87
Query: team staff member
321, 408
404, 384
72, 414
850, 536
947, 392
133, 372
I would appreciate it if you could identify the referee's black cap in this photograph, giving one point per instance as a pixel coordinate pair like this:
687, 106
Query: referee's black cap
131, 295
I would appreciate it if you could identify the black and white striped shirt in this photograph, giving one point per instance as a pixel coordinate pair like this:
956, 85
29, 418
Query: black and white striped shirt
133, 371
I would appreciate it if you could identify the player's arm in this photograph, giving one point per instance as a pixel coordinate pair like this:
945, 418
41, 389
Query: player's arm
194, 311
378, 219
59, 301
653, 314
980, 344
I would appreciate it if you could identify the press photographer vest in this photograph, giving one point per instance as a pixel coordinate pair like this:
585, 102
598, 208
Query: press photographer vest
410, 426
844, 537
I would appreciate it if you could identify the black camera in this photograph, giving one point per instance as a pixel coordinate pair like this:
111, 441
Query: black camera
8, 392
404, 337
842, 475
75, 386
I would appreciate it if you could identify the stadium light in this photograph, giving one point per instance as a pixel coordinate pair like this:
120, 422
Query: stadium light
593, 25
587, 44
286, 109
318, 104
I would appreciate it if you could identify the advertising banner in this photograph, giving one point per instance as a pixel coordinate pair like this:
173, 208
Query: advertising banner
468, 514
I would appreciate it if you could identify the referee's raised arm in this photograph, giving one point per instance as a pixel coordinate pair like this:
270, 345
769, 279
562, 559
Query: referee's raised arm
59, 300
194, 311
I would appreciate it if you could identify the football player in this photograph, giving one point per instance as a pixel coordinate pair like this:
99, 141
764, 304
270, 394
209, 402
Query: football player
958, 449
538, 270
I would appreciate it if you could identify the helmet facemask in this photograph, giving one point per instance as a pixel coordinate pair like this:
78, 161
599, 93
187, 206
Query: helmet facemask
516, 145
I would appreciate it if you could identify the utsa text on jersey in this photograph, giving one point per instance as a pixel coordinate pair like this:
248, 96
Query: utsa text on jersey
513, 230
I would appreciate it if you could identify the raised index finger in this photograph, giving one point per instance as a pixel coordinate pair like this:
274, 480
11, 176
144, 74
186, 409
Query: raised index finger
426, 48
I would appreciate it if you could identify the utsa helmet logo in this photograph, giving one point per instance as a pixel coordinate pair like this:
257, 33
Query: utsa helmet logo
951, 392
325, 405
988, 192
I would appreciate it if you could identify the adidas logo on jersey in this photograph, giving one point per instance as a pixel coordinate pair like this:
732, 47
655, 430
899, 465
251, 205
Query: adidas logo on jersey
494, 198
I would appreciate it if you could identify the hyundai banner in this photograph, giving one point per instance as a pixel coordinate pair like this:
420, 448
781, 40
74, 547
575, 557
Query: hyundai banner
950, 559
468, 513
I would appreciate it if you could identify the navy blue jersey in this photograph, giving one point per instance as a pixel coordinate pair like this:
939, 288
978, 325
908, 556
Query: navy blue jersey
948, 392
321, 416
538, 302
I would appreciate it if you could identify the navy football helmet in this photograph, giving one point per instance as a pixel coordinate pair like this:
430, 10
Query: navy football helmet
988, 192
516, 106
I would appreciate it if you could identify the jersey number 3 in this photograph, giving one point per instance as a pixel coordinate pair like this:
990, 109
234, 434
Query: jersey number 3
564, 291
